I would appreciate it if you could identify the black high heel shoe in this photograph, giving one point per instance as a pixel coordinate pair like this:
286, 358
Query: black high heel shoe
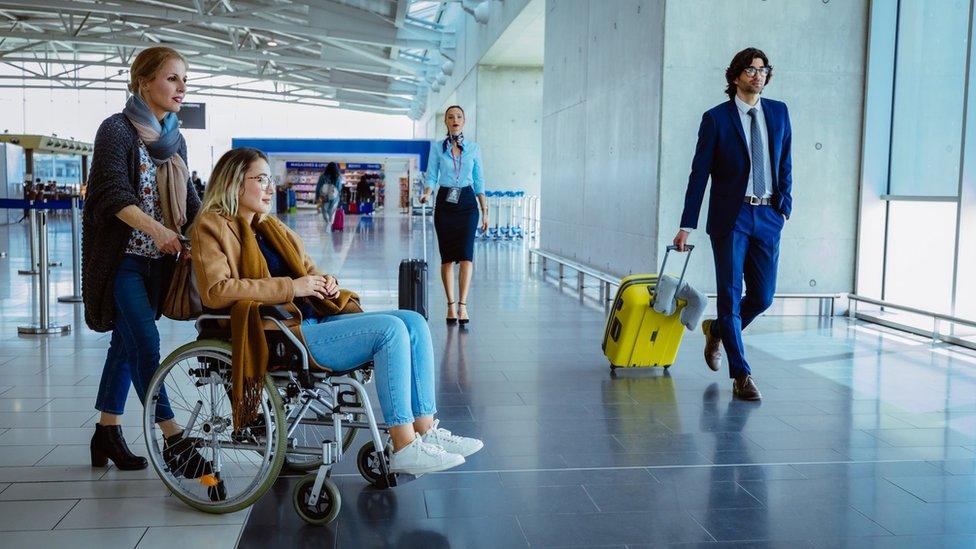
462, 321
108, 443
183, 459
450, 320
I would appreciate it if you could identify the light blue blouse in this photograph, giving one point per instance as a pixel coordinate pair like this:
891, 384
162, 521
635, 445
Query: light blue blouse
441, 167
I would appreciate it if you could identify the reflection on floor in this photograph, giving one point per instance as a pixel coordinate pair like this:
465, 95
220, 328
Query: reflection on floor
864, 437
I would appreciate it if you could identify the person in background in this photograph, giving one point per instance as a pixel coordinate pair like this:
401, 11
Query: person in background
327, 192
364, 194
455, 170
197, 183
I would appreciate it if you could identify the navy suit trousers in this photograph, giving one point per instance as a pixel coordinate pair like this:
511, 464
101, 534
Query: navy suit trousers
749, 254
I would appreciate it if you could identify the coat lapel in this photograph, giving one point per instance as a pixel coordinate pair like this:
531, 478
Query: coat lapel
771, 126
737, 124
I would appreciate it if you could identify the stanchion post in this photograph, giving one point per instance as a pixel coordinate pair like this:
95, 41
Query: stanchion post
32, 238
75, 296
44, 327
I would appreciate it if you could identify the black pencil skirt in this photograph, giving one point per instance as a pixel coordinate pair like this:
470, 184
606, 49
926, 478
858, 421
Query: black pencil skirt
456, 225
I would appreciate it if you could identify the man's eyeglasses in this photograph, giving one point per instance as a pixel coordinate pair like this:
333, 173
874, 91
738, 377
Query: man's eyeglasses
264, 180
751, 71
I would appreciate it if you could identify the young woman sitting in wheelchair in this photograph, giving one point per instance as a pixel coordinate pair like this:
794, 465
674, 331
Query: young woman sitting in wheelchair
398, 343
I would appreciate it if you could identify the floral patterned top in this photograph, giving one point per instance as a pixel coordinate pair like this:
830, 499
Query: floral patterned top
141, 243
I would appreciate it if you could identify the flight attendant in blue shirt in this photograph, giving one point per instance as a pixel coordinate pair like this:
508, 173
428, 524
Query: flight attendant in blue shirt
455, 170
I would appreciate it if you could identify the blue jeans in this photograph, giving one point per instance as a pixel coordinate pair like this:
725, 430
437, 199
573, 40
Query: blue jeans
398, 343
133, 354
750, 252
329, 208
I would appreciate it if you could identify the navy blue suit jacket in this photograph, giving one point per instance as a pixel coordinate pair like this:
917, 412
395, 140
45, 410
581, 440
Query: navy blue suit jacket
722, 154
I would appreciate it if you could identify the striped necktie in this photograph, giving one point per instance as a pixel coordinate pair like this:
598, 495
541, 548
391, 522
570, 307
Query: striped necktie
758, 164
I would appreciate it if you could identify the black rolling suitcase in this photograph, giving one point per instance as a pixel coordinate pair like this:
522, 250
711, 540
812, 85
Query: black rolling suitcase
412, 291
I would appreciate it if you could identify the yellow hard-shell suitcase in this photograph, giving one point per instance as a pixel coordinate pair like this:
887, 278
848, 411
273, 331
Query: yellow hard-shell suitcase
636, 335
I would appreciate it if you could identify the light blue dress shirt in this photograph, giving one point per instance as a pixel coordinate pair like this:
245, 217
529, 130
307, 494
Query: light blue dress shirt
441, 166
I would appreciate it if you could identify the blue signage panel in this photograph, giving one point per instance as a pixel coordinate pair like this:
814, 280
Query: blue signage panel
391, 147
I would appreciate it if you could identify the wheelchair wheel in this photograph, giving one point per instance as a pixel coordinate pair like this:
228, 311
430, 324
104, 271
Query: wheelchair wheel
195, 380
306, 436
369, 466
325, 510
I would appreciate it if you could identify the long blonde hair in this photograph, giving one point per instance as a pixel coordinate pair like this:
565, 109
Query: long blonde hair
227, 179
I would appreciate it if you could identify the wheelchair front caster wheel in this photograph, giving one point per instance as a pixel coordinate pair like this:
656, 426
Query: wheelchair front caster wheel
369, 466
325, 510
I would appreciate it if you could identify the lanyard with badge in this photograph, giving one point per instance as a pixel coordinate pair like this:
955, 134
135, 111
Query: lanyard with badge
454, 195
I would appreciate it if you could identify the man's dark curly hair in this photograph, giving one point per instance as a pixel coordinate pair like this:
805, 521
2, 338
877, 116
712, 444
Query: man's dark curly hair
739, 63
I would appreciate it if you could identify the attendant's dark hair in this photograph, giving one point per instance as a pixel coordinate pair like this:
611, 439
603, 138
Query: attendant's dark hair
332, 172
446, 139
739, 63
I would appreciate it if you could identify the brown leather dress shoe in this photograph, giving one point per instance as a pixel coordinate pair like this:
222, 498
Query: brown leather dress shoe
713, 346
744, 388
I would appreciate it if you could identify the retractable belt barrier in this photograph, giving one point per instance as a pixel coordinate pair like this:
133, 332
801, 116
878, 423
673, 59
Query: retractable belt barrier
37, 211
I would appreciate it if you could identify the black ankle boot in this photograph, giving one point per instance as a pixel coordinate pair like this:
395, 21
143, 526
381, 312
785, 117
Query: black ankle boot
183, 459
108, 443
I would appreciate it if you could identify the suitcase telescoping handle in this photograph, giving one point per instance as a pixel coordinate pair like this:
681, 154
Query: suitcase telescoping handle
423, 223
688, 248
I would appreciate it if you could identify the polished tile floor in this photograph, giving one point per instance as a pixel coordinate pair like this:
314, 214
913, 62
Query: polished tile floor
865, 438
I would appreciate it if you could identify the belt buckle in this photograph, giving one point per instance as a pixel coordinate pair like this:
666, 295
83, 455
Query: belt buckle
755, 201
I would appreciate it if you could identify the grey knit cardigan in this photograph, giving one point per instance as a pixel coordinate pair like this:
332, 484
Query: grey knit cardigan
112, 185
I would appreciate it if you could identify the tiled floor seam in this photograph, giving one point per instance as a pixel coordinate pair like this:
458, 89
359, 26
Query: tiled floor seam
700, 525
593, 501
77, 502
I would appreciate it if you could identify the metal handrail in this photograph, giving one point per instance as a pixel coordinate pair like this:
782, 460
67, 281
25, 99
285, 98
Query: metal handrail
887, 304
607, 280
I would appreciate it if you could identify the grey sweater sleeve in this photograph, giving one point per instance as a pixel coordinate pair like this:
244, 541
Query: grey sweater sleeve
109, 188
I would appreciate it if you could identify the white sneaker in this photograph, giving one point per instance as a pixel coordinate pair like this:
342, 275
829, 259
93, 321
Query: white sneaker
454, 444
419, 457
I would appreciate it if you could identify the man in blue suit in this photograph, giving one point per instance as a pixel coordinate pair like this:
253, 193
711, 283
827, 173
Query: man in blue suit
744, 144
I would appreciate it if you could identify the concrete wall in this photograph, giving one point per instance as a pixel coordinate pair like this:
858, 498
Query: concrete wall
473, 41
509, 111
821, 78
601, 117
625, 85
502, 105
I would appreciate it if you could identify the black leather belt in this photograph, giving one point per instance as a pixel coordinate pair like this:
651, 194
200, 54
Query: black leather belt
755, 201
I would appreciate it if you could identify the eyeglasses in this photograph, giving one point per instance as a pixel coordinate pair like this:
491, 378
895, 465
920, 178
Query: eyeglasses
264, 180
751, 71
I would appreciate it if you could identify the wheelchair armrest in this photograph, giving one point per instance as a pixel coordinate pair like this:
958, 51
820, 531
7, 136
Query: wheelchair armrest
278, 312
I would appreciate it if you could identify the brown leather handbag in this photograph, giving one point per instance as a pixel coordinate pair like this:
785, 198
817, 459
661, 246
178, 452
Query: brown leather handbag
183, 300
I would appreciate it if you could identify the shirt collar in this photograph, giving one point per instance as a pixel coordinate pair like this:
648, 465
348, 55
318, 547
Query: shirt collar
744, 107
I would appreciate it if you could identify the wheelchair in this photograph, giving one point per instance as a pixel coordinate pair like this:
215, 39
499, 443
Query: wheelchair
308, 417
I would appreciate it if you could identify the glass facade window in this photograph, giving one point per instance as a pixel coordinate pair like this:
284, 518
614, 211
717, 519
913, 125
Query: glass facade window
919, 263
930, 84
917, 225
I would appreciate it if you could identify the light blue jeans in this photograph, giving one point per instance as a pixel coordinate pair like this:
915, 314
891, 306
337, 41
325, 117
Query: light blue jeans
398, 343
329, 208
